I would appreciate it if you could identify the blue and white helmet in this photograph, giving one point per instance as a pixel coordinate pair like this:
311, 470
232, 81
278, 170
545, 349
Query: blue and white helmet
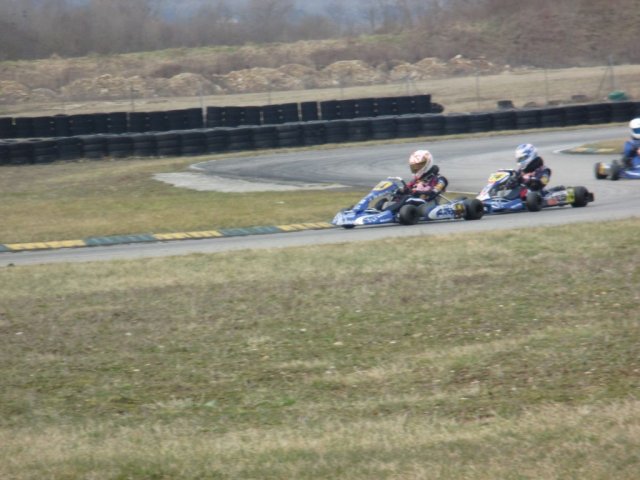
634, 126
525, 154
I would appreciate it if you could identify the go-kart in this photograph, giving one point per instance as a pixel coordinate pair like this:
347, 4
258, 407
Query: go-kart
387, 202
503, 193
615, 171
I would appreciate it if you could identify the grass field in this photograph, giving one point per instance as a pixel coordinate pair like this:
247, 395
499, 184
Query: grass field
511, 355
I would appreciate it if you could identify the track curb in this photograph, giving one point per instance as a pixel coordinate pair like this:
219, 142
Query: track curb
162, 237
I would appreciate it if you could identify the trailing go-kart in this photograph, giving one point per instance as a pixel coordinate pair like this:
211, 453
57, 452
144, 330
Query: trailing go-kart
387, 203
614, 171
503, 194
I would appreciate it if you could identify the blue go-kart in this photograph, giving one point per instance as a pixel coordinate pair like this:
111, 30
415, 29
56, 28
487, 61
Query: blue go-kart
504, 194
615, 171
388, 203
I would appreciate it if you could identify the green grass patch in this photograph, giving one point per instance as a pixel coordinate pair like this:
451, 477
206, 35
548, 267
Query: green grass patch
501, 355
74, 200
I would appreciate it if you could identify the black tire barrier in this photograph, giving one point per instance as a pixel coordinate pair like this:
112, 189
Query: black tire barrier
337, 131
43, 127
289, 113
422, 103
144, 145
6, 127
154, 122
314, 133
623, 111
309, 111
504, 120
329, 110
69, 148
139, 122
576, 115
436, 108
168, 144
480, 122
100, 122
216, 140
408, 126
23, 127
358, 130
119, 146
553, 117
4, 153
346, 109
505, 104
365, 107
456, 123
81, 124
94, 146
17, 151
240, 138
265, 136
404, 105
252, 116
192, 142
383, 128
117, 122
20, 153
62, 126
45, 151
290, 135
433, 124
214, 117
599, 113
385, 106
528, 118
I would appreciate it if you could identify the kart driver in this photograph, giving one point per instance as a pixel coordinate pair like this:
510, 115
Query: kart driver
631, 151
427, 183
531, 171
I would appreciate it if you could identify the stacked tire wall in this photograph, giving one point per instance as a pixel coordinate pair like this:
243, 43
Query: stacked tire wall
287, 132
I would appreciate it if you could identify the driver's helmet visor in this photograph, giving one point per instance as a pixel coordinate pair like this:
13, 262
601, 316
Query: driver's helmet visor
522, 158
636, 131
415, 167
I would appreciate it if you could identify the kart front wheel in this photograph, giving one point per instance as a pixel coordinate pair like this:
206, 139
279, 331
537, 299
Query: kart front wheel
473, 209
533, 202
408, 215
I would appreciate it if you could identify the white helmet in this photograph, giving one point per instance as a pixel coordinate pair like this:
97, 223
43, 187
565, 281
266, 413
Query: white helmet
525, 154
634, 126
420, 162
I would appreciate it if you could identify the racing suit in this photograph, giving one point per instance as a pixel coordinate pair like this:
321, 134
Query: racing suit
536, 176
631, 154
428, 186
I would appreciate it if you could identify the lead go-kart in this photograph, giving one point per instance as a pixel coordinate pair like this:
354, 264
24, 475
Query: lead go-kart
387, 203
503, 194
614, 171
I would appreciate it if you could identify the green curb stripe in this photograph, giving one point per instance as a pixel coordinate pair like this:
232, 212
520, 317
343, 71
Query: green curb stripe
116, 239
591, 150
121, 239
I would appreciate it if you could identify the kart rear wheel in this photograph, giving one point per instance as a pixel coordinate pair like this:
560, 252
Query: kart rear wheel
533, 202
408, 215
348, 227
581, 197
598, 168
473, 209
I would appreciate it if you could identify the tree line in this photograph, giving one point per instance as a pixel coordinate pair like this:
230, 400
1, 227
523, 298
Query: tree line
537, 32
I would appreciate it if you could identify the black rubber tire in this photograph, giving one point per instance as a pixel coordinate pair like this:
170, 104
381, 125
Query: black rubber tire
533, 202
581, 197
408, 215
473, 209
614, 171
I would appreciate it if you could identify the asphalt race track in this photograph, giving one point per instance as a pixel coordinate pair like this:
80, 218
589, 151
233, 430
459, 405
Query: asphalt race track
466, 162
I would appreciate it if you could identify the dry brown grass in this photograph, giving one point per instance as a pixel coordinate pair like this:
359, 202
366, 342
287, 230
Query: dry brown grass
457, 94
